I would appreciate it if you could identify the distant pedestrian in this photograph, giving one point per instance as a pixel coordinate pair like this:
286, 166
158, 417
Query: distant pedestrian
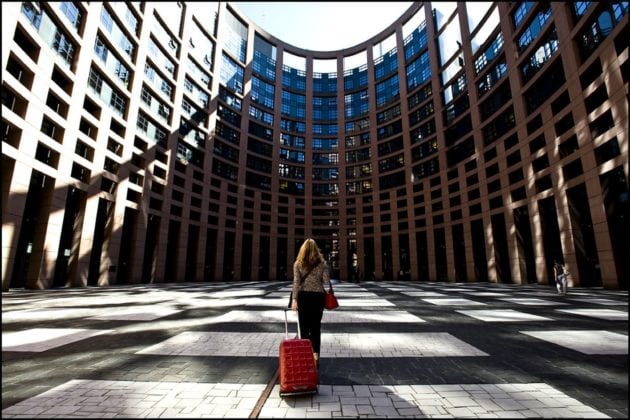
560, 274
310, 272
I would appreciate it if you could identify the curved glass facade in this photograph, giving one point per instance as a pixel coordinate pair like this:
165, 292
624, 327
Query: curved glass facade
163, 142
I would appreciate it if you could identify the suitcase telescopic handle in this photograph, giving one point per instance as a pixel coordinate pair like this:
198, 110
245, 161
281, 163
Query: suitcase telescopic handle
286, 325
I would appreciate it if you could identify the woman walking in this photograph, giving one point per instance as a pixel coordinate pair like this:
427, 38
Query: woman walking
310, 272
560, 273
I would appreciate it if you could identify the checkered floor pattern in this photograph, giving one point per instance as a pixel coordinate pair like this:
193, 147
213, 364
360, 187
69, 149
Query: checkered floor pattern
395, 350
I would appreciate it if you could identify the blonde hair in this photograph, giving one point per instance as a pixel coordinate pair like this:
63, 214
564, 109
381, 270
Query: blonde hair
309, 255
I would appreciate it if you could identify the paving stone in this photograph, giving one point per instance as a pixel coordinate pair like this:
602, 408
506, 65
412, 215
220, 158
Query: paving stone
400, 350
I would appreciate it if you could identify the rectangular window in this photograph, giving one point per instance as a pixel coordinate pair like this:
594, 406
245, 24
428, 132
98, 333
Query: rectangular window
607, 151
540, 56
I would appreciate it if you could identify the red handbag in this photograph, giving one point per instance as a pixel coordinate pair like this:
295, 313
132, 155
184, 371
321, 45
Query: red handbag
330, 300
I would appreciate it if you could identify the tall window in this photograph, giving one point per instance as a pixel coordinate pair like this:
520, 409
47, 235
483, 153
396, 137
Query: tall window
387, 91
231, 74
72, 12
236, 37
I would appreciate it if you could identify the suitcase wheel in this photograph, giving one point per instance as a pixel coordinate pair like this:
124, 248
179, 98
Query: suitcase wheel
299, 393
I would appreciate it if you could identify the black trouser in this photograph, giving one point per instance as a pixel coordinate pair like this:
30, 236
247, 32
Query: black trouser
310, 312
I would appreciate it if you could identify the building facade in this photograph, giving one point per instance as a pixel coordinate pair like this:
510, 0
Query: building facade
148, 142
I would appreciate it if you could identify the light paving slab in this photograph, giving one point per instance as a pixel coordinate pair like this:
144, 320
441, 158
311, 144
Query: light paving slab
424, 294
333, 317
70, 398
202, 343
137, 313
11, 299
212, 303
282, 302
533, 301
486, 294
395, 345
585, 341
607, 314
600, 301
388, 401
236, 293
502, 315
45, 314
454, 302
42, 339
102, 300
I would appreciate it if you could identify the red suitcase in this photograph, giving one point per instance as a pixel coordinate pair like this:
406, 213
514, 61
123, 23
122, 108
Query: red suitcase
298, 372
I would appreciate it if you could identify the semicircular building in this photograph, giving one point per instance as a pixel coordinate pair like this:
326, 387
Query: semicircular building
467, 142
